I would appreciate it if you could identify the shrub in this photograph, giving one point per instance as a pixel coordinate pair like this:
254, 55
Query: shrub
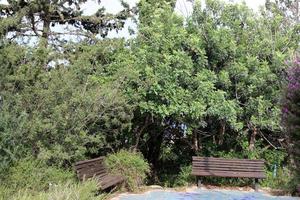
35, 175
185, 178
130, 165
282, 180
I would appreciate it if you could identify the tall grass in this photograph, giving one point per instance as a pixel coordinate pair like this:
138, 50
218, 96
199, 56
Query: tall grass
32, 179
66, 191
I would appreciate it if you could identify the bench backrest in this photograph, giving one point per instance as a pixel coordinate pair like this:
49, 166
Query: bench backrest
220, 167
89, 168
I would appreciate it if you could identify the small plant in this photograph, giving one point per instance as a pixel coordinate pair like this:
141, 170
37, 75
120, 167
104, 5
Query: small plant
185, 178
132, 166
282, 179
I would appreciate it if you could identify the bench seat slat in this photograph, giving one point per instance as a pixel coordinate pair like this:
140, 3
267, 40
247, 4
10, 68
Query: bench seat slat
97, 163
195, 158
90, 169
228, 169
110, 180
84, 176
228, 162
227, 165
89, 161
229, 174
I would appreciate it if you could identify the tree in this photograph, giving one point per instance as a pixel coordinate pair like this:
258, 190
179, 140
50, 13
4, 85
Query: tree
291, 112
65, 113
35, 18
289, 9
247, 61
174, 93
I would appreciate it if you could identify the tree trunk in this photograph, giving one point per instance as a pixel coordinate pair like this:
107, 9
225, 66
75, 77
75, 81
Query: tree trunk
252, 138
222, 132
155, 142
195, 141
154, 147
200, 145
138, 133
46, 29
214, 139
297, 10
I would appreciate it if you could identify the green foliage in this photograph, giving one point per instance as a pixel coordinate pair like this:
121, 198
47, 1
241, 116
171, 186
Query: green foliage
213, 84
32, 174
206, 86
282, 180
52, 13
66, 191
73, 115
185, 178
31, 179
131, 166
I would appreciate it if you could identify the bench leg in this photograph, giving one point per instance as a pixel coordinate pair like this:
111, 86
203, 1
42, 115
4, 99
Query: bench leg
256, 185
199, 184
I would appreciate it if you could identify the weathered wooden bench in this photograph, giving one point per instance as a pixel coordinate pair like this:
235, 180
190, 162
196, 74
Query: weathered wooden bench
234, 168
95, 168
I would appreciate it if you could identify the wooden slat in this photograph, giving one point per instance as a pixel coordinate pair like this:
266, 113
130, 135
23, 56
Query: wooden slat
232, 159
221, 167
95, 168
223, 171
210, 159
97, 176
89, 169
110, 181
97, 163
88, 161
229, 174
229, 164
91, 175
228, 169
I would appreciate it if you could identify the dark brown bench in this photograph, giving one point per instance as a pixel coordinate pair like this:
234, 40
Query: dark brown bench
95, 168
234, 168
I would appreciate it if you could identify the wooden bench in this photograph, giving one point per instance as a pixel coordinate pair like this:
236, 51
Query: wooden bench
234, 168
95, 168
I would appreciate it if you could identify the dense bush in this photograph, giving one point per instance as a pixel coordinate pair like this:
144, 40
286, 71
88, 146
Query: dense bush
130, 165
35, 175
